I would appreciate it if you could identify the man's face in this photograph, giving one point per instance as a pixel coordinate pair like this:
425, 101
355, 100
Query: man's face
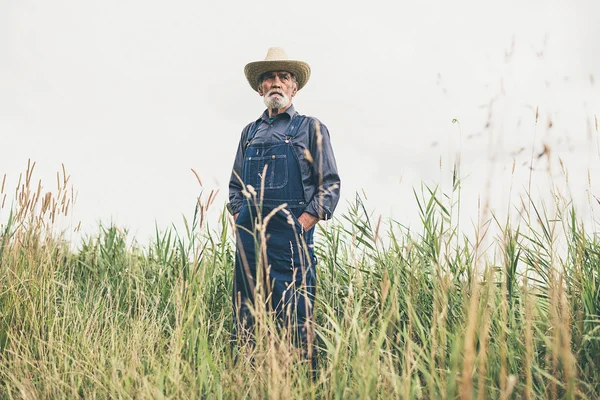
278, 89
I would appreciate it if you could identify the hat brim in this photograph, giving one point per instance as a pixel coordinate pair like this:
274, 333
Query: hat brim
256, 69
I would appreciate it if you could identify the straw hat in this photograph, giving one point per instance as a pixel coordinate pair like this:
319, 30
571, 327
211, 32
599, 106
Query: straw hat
277, 60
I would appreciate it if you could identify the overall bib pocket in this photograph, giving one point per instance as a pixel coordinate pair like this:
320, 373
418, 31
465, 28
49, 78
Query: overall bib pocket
276, 175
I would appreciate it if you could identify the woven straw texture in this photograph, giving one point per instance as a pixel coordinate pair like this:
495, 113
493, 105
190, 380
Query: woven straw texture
277, 60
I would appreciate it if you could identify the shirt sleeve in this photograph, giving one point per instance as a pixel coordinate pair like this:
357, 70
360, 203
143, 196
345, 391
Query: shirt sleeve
325, 172
236, 199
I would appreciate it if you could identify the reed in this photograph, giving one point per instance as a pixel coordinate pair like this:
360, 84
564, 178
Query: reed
401, 313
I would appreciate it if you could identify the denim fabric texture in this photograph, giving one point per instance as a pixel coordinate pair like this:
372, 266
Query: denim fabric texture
320, 178
287, 263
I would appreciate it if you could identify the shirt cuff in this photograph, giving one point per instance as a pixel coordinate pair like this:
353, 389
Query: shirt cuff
233, 209
324, 213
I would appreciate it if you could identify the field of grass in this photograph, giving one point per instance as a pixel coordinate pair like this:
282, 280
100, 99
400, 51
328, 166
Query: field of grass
510, 311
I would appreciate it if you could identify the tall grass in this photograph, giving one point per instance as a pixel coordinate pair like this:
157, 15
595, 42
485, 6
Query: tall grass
424, 313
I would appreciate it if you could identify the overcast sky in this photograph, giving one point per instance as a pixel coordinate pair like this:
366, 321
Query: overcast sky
130, 95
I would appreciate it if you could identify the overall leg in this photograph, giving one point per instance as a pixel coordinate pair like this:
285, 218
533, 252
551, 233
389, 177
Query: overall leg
242, 300
243, 282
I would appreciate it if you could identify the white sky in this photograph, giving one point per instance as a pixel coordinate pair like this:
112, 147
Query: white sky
130, 95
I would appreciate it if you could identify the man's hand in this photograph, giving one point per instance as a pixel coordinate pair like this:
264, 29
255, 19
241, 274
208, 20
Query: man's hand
308, 221
235, 217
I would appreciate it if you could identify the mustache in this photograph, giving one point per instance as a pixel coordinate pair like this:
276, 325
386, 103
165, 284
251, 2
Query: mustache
273, 91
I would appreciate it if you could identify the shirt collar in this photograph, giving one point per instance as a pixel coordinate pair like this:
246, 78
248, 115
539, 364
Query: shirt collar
291, 111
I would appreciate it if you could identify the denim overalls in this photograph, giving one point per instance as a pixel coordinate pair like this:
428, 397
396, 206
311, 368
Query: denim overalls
289, 269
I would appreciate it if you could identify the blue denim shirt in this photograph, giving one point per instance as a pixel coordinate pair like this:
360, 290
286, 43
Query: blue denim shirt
317, 162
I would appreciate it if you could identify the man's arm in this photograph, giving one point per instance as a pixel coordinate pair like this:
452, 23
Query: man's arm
236, 199
326, 176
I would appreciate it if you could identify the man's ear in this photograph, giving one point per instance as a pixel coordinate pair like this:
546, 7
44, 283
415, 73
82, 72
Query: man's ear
260, 91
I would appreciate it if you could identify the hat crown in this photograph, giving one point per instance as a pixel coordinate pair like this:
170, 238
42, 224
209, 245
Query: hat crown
276, 60
276, 54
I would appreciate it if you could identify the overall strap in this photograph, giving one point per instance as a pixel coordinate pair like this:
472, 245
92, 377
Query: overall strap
291, 131
252, 132
294, 125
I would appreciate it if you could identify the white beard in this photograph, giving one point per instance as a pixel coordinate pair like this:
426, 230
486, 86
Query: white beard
276, 102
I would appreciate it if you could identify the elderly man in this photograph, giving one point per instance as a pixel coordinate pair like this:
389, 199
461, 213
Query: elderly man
284, 180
